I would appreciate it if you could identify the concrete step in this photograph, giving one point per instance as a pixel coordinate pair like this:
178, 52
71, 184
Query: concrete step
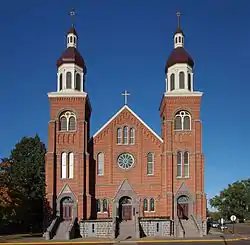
127, 230
61, 230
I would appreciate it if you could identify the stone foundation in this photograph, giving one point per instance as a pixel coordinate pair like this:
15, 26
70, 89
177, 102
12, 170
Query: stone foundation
97, 228
152, 227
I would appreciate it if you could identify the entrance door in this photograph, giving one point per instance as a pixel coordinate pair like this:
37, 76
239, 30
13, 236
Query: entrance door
67, 209
182, 210
127, 212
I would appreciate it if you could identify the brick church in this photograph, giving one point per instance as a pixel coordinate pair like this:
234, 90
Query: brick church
125, 179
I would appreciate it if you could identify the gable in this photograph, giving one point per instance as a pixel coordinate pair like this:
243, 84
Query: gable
125, 107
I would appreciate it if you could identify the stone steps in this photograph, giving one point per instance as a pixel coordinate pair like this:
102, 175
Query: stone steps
61, 230
127, 230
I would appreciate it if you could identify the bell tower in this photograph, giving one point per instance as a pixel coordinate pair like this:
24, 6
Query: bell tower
67, 159
182, 157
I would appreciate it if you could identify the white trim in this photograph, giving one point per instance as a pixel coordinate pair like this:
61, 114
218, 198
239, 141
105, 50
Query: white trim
136, 116
67, 93
183, 93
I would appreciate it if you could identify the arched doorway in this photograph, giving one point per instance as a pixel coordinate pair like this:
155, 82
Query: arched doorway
125, 208
182, 207
66, 209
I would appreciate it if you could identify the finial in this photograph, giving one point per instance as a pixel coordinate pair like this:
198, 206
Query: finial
72, 14
178, 14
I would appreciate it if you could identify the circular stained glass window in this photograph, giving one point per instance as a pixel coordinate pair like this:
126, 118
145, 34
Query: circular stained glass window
125, 161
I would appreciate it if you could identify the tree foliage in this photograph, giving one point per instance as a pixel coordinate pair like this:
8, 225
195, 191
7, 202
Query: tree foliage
23, 183
233, 200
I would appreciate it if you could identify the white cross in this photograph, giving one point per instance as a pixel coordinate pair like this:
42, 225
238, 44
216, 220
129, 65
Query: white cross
72, 14
125, 94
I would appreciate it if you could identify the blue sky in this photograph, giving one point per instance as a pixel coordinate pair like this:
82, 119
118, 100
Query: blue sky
125, 45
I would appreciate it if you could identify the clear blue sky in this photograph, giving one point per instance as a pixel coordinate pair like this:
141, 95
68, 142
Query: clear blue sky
125, 45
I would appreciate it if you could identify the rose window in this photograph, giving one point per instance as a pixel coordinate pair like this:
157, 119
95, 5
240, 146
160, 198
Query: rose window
125, 161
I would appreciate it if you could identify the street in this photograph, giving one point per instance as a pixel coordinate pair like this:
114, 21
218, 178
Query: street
241, 228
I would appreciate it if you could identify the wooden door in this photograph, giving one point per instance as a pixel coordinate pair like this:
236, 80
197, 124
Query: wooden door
182, 210
127, 212
67, 212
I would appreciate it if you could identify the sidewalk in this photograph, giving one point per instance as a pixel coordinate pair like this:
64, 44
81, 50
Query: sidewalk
27, 239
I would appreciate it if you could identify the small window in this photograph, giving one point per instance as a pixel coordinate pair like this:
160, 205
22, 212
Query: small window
98, 206
67, 121
100, 164
119, 136
64, 165
181, 80
189, 81
145, 204
182, 121
93, 228
68, 80
157, 227
63, 123
71, 39
176, 40
172, 82
177, 123
72, 123
186, 164
125, 135
78, 82
179, 39
71, 165
131, 136
60, 82
152, 205
105, 205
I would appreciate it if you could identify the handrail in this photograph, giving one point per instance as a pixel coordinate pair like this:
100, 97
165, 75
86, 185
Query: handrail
182, 227
196, 223
70, 233
51, 230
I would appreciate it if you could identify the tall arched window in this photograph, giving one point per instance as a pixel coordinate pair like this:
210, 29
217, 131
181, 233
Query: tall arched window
60, 82
172, 82
152, 205
179, 164
186, 164
119, 136
98, 205
182, 121
189, 81
105, 205
78, 82
131, 136
67, 121
100, 164
71, 165
181, 80
125, 135
64, 165
150, 163
68, 80
145, 204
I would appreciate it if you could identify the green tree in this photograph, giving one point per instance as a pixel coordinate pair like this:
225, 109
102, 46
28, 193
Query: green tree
235, 199
27, 181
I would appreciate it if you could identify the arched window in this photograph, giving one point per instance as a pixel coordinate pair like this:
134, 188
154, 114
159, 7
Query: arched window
186, 164
71, 165
181, 80
131, 136
72, 123
125, 135
68, 80
119, 136
98, 205
179, 164
100, 164
105, 205
64, 165
182, 121
60, 82
150, 163
145, 204
175, 39
152, 204
68, 121
78, 82
179, 39
172, 82
189, 81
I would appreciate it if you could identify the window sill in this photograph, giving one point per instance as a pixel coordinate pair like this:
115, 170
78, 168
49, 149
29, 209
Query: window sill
149, 211
150, 175
180, 177
100, 175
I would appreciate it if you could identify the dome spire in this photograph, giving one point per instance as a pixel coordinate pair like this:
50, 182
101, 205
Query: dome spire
72, 35
179, 34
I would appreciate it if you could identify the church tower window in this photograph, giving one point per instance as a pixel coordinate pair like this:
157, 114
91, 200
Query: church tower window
68, 80
131, 136
98, 205
60, 82
119, 136
100, 164
145, 205
63, 123
186, 164
125, 135
105, 205
152, 205
78, 82
68, 121
71, 165
181, 80
189, 81
182, 121
64, 165
172, 82
179, 164
150, 163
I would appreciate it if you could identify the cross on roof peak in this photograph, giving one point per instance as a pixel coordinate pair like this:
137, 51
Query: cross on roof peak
125, 94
